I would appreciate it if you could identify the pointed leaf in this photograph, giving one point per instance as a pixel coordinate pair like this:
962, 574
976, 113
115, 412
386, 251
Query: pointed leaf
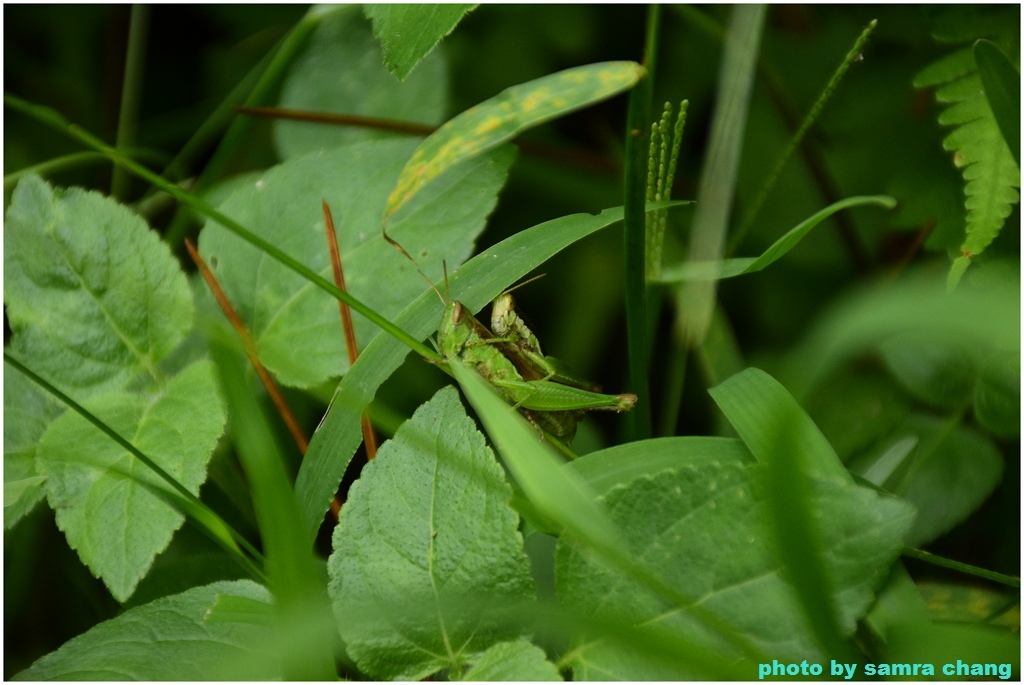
503, 117
427, 525
107, 503
27, 413
947, 473
513, 661
294, 324
167, 639
703, 527
93, 297
341, 72
409, 32
728, 268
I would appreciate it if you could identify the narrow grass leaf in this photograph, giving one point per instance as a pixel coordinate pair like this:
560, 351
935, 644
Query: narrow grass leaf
729, 268
409, 32
427, 525
506, 115
291, 572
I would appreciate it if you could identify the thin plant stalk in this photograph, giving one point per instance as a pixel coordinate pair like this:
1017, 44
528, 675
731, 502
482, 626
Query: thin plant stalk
634, 231
131, 93
249, 345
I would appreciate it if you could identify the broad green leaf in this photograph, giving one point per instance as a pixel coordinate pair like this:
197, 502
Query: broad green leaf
1001, 80
27, 413
947, 473
167, 639
94, 299
427, 525
409, 32
503, 117
703, 527
341, 72
933, 370
997, 395
978, 317
109, 505
475, 284
970, 603
752, 401
728, 268
513, 661
296, 326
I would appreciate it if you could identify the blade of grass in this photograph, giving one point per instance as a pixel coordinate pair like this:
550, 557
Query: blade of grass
292, 573
751, 214
718, 177
208, 520
635, 231
131, 93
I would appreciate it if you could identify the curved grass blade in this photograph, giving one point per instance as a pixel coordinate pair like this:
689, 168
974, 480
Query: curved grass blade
728, 268
505, 116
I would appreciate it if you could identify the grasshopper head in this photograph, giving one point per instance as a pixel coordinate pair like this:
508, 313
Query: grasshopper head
502, 309
453, 332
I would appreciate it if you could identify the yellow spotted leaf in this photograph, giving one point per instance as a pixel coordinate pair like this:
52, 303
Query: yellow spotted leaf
504, 116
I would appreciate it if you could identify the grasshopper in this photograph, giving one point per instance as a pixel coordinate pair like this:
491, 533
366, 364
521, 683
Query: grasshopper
513, 364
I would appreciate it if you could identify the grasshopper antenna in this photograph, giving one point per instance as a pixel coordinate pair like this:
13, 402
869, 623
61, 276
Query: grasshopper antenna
528, 281
394, 243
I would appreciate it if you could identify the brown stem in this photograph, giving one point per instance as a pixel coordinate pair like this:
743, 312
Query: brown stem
250, 349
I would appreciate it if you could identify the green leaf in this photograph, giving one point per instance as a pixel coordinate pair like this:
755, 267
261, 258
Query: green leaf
728, 268
475, 284
513, 661
292, 572
990, 172
110, 506
997, 395
934, 370
165, 640
503, 117
27, 413
947, 473
94, 299
296, 326
703, 527
1002, 89
409, 32
427, 525
341, 71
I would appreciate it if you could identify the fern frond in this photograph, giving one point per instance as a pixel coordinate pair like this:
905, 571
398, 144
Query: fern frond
989, 169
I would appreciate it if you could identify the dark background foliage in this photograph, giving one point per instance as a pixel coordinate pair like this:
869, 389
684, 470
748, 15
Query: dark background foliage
877, 135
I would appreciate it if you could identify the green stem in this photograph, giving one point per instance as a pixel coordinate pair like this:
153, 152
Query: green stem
212, 524
794, 142
930, 558
56, 120
635, 228
71, 161
131, 93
